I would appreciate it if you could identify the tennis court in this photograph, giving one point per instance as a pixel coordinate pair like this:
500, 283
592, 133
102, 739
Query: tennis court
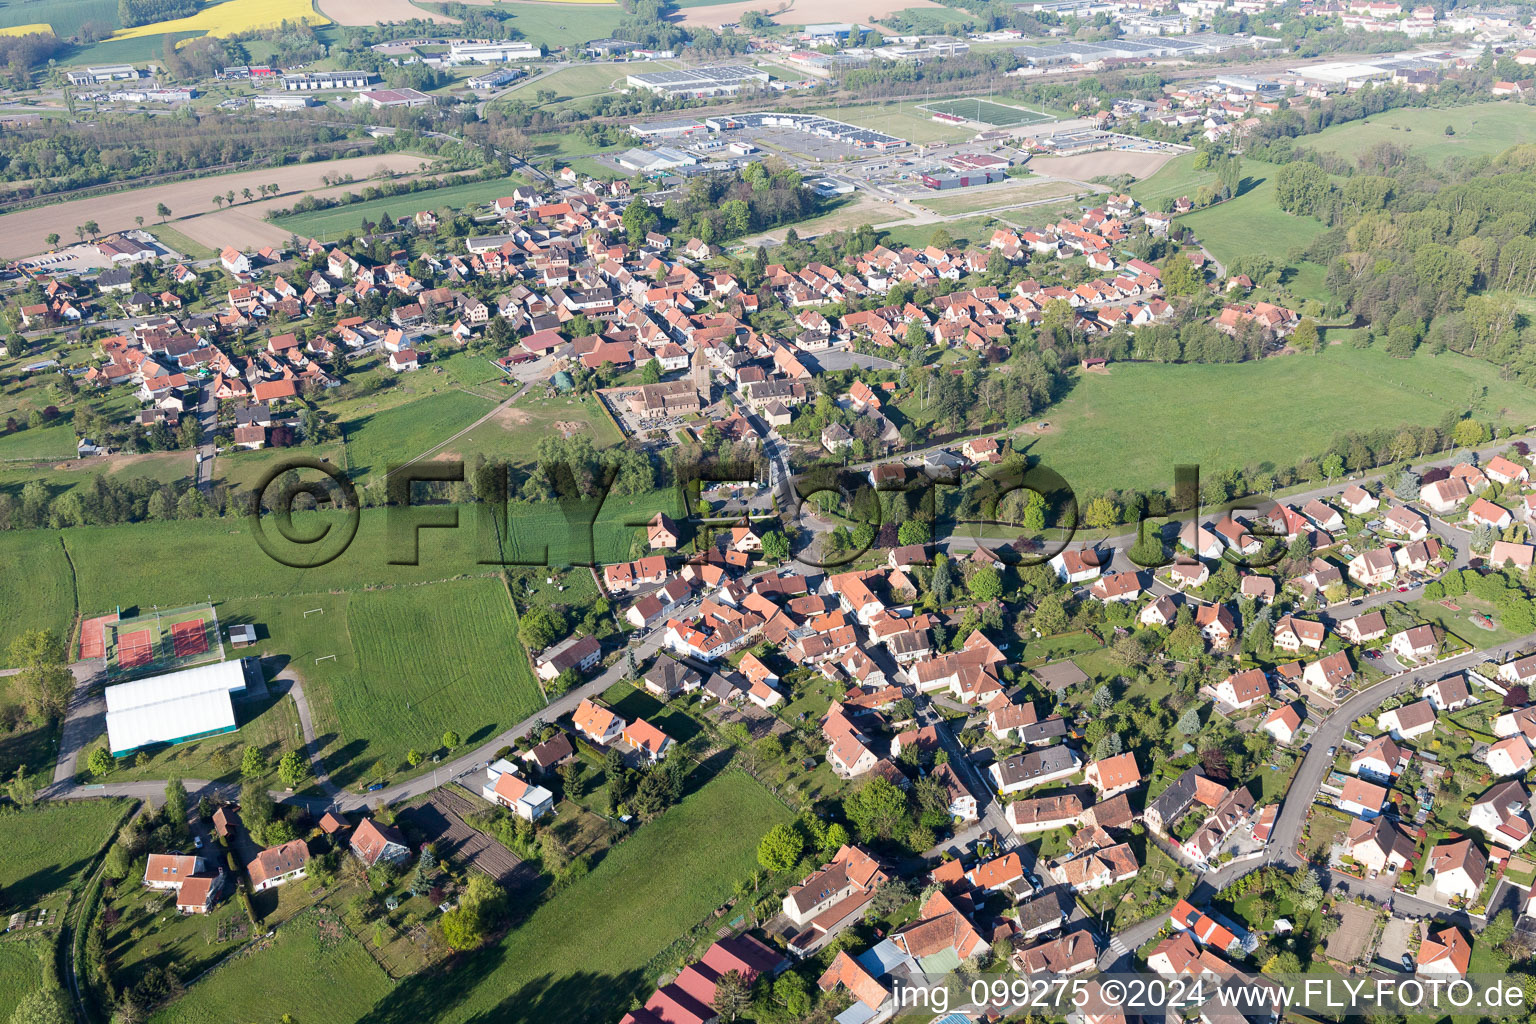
987, 112
189, 638
93, 643
136, 648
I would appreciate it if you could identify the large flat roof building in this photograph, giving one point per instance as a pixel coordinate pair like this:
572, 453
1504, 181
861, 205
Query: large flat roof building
175, 707
719, 80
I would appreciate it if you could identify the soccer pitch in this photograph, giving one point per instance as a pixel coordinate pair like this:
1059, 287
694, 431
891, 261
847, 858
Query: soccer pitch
994, 115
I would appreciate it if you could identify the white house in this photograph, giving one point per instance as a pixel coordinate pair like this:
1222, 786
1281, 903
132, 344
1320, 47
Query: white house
1510, 756
1416, 643
1378, 760
1077, 565
1282, 723
1449, 694
1409, 721
1360, 798
1459, 867
1243, 689
504, 787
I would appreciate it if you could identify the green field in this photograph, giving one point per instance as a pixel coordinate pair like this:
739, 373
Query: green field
582, 954
904, 120
560, 24
272, 726
70, 473
21, 971
995, 115
55, 442
397, 435
583, 81
1252, 223
312, 969
513, 434
1121, 430
1481, 129
1177, 177
409, 664
39, 588
45, 847
66, 16
330, 224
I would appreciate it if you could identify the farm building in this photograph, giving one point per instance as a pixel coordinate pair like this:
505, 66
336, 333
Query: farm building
174, 707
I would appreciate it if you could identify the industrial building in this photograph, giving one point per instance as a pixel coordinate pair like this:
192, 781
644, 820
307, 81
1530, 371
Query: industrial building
103, 73
720, 80
393, 98
963, 180
650, 161
277, 101
494, 79
499, 51
175, 707
315, 81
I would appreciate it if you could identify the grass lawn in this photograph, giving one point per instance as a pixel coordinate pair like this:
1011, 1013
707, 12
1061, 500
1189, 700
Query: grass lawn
647, 891
842, 214
47, 598
1176, 178
181, 243
902, 120
630, 702
150, 933
1252, 223
410, 663
70, 473
1120, 431
45, 847
21, 971
400, 434
1480, 129
1460, 622
55, 442
243, 470
560, 24
330, 224
992, 197
312, 969
513, 434
580, 81
972, 231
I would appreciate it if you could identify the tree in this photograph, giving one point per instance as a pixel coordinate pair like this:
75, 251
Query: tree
42, 1005
1180, 276
876, 809
1305, 337
1102, 513
162, 211
1189, 721
462, 928
256, 807
775, 546
1309, 891
451, 740
780, 848
175, 802
44, 682
91, 228
791, 990
1050, 617
293, 769
733, 996
101, 762
1469, 433
117, 862
1333, 465
253, 763
913, 531
985, 584
52, 239
413, 757
834, 837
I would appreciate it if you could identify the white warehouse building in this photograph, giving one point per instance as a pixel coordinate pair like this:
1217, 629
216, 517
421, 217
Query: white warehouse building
175, 707
497, 52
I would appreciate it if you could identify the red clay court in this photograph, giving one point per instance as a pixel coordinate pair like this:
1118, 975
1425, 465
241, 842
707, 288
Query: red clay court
136, 648
189, 638
93, 642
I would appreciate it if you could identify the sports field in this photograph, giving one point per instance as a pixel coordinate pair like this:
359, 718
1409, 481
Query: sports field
389, 670
903, 120
1479, 129
987, 112
1118, 430
649, 889
156, 640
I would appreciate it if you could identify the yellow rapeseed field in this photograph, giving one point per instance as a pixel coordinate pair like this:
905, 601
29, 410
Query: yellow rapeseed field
27, 30
231, 16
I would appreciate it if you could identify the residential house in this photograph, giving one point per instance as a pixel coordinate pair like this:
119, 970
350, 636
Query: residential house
1378, 760
1380, 844
1417, 643
277, 865
1449, 694
1282, 723
1360, 798
1113, 775
1408, 722
597, 723
375, 844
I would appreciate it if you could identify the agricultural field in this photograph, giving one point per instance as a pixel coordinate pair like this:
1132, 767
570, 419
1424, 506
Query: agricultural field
410, 663
312, 969
554, 966
64, 17
1480, 129
21, 971
48, 845
39, 587
904, 120
371, 12
1119, 431
330, 224
23, 233
231, 17
559, 24
1252, 223
404, 432
997, 197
